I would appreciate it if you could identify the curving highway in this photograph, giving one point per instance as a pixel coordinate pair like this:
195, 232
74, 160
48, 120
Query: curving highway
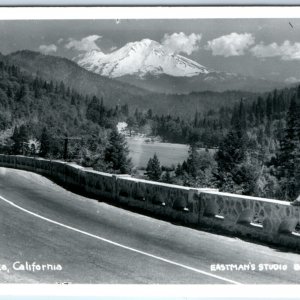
79, 240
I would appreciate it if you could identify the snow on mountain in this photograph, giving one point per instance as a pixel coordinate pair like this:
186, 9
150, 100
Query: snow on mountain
149, 65
140, 58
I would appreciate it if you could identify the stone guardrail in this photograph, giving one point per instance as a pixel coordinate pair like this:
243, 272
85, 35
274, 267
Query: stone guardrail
262, 219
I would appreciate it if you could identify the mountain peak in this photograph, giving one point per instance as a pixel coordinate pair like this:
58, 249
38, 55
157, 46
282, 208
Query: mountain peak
144, 43
140, 58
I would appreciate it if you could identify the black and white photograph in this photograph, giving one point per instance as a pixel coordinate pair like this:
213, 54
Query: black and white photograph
149, 150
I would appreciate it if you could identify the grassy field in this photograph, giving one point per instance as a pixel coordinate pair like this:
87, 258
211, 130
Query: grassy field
168, 154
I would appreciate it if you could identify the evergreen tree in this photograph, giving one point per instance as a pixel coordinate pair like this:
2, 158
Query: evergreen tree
167, 178
193, 161
45, 142
23, 138
242, 115
228, 157
269, 107
196, 119
288, 158
153, 170
184, 167
16, 143
150, 114
234, 172
96, 111
62, 88
179, 171
116, 153
131, 125
261, 109
20, 140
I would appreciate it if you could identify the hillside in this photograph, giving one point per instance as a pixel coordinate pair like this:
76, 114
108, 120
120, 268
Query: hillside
61, 69
37, 103
114, 92
48, 119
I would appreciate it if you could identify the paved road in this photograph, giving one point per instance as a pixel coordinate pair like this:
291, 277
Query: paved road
97, 243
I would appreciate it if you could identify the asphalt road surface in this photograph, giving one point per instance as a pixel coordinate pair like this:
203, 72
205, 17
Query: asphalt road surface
93, 242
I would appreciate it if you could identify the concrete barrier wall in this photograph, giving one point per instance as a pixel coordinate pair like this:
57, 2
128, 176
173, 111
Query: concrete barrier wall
262, 219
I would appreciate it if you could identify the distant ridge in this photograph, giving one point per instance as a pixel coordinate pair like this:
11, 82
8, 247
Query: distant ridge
62, 69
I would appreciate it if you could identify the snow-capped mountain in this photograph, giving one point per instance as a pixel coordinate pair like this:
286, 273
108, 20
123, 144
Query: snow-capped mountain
140, 58
149, 65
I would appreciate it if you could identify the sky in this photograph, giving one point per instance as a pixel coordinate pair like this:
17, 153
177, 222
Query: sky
263, 48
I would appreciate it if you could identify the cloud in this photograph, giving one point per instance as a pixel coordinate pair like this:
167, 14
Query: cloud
46, 49
85, 44
233, 44
286, 51
180, 42
59, 41
292, 80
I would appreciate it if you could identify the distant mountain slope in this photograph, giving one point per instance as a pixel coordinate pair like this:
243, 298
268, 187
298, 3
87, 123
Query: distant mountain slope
37, 104
187, 105
114, 92
61, 69
150, 65
214, 81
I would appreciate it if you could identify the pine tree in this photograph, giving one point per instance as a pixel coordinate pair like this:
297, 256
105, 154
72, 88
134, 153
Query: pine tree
153, 170
242, 115
261, 108
179, 170
234, 172
131, 125
116, 154
20, 139
95, 111
196, 119
269, 107
229, 155
62, 88
193, 161
149, 114
288, 158
16, 143
167, 178
23, 92
45, 141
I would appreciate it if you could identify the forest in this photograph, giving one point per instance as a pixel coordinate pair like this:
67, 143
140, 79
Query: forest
257, 147
256, 142
37, 117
